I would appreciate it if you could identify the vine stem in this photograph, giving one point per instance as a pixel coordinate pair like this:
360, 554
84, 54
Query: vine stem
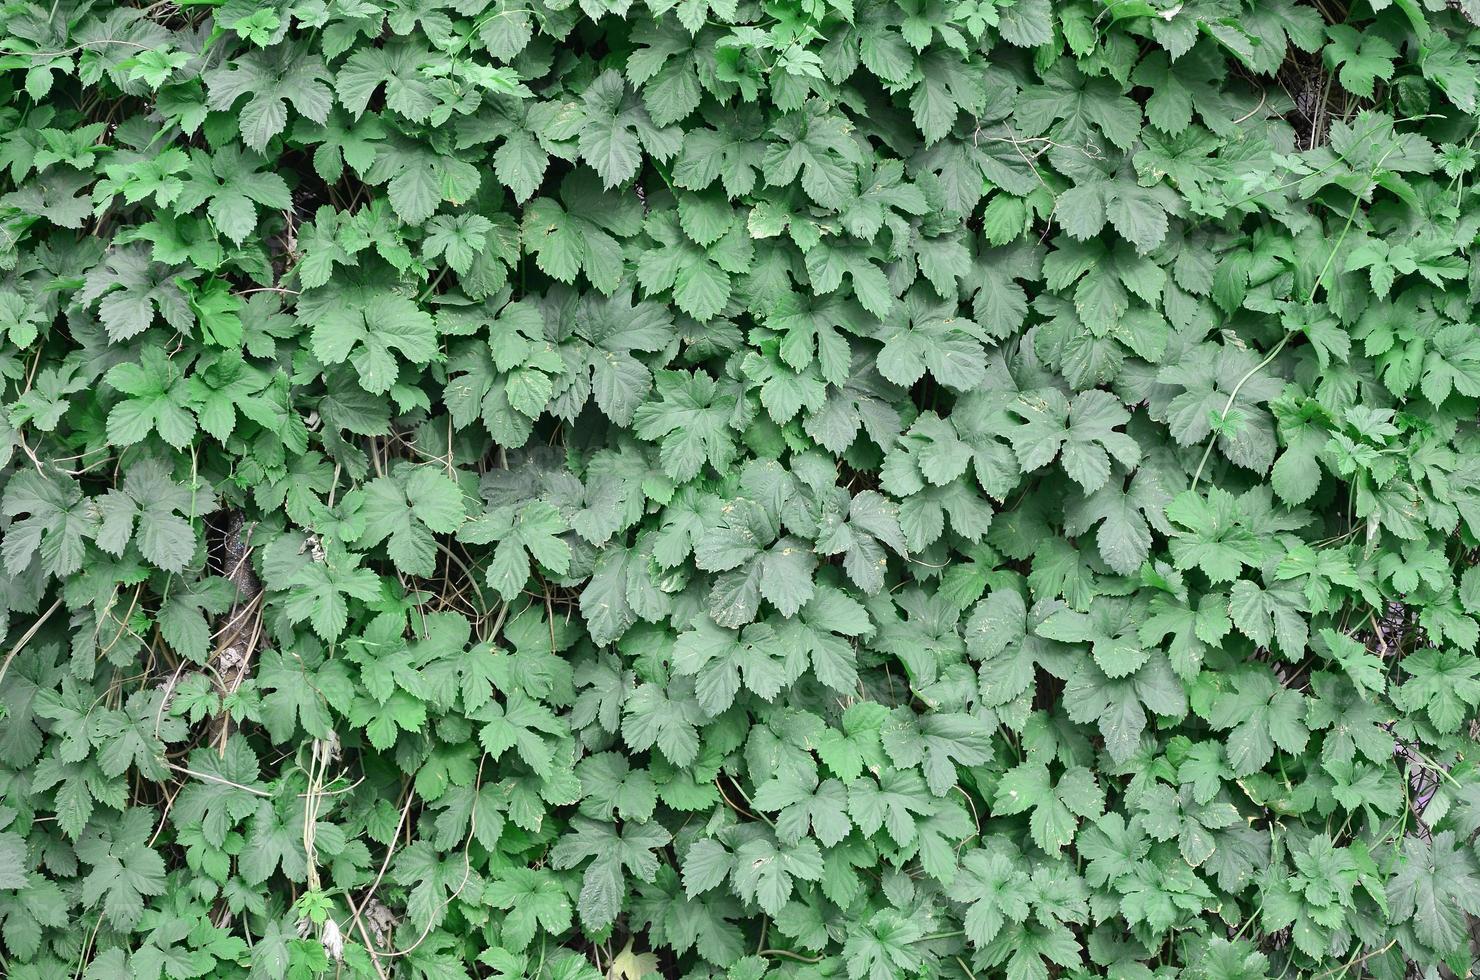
26, 637
1233, 395
790, 955
76, 48
356, 911
1310, 298
1356, 960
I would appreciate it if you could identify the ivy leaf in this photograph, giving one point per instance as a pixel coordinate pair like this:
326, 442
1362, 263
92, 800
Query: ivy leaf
155, 513
222, 794
1262, 715
892, 802
406, 508
232, 185
1436, 883
1178, 816
616, 128
396, 66
318, 591
157, 399
755, 564
1085, 106
1082, 434
533, 901
883, 947
130, 290
532, 530
1362, 59
651, 718
765, 873
699, 276
1119, 705
301, 689
273, 78
365, 323
1441, 683
12, 861
1270, 616
1055, 805
805, 806
611, 851
55, 523
938, 744
520, 723
848, 750
419, 178
459, 237
995, 892
124, 870
612, 787
719, 658
1210, 535
690, 421
861, 533
928, 337
580, 232
817, 148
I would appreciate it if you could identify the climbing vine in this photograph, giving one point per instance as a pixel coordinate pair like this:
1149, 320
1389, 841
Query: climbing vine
778, 490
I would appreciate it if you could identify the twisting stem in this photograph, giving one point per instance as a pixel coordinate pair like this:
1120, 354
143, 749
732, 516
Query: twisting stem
1310, 297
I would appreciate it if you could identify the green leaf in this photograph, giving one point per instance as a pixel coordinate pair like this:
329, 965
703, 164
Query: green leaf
368, 325
1361, 59
406, 509
123, 869
611, 853
155, 513
1055, 807
1436, 882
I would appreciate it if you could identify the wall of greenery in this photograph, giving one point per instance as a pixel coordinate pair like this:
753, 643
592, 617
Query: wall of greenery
942, 489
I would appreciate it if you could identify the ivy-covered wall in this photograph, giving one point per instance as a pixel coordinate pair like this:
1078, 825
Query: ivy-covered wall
786, 490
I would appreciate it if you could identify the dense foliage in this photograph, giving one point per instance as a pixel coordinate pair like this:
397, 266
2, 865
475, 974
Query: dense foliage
716, 488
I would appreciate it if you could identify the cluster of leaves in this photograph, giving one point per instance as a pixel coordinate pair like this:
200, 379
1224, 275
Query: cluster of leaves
778, 490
